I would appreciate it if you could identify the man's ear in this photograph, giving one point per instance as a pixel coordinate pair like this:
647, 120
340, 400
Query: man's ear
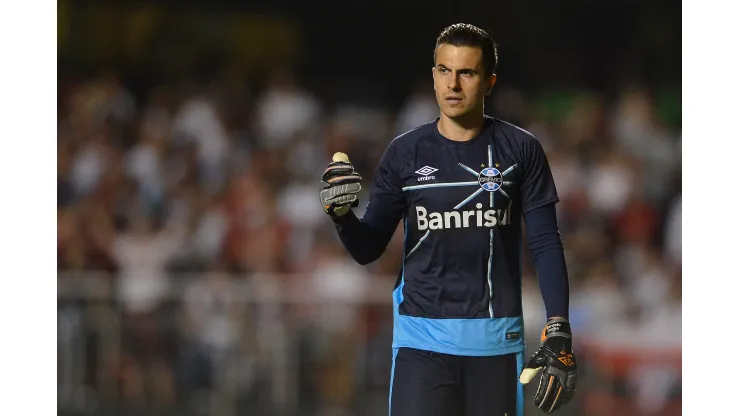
491, 83
434, 74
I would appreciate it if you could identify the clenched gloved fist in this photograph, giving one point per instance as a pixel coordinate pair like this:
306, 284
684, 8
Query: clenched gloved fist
341, 185
560, 375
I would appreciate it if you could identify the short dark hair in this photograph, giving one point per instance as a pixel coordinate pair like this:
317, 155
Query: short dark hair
464, 34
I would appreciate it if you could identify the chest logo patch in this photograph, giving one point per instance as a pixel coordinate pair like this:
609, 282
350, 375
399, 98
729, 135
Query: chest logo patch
490, 179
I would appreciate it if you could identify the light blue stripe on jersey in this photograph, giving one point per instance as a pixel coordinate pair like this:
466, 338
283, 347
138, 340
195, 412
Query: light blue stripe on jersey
421, 240
520, 356
519, 386
490, 245
490, 282
468, 199
439, 185
469, 169
506, 172
466, 337
393, 372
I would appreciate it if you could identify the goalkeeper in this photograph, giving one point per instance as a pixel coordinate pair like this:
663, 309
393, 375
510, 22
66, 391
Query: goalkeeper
462, 184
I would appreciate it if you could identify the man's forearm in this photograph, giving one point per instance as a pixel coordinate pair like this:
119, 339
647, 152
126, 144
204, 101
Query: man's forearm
549, 260
364, 240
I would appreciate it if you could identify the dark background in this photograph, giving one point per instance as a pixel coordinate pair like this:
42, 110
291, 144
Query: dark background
602, 45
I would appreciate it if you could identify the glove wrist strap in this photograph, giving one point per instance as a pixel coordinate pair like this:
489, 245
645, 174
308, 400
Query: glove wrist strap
557, 327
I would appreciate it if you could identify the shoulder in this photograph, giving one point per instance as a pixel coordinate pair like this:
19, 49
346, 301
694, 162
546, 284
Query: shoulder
524, 145
513, 132
404, 143
414, 136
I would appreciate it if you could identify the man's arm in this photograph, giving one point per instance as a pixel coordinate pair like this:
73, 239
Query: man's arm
539, 196
548, 258
365, 238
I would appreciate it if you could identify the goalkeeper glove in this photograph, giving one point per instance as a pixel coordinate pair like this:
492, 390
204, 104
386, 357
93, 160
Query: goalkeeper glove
341, 186
560, 375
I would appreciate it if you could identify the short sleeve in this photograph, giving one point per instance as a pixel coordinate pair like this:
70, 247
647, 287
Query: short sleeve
538, 188
386, 203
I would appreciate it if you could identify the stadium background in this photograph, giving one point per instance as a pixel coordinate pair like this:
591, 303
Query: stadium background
197, 272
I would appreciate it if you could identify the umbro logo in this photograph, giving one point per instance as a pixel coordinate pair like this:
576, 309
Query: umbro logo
425, 172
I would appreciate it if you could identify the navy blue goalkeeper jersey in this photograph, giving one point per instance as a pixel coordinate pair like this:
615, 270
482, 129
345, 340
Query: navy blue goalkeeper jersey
459, 291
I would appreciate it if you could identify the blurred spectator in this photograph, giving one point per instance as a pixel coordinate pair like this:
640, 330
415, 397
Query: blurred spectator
65, 189
185, 197
90, 161
639, 132
611, 182
598, 304
284, 110
339, 286
508, 104
212, 319
142, 254
198, 121
420, 107
673, 232
206, 225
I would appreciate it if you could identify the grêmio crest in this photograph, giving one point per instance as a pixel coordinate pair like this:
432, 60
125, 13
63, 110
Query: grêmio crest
490, 179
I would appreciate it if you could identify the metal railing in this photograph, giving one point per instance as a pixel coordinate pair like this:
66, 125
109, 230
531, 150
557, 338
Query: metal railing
258, 344
247, 333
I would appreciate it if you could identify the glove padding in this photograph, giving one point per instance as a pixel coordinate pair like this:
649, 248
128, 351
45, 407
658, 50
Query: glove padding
341, 185
560, 376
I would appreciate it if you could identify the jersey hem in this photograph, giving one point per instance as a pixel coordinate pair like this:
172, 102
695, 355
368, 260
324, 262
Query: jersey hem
461, 351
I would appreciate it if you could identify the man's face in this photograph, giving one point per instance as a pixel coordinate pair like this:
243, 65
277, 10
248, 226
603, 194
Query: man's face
460, 83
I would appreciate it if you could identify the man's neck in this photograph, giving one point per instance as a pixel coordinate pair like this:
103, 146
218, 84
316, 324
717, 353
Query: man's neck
461, 130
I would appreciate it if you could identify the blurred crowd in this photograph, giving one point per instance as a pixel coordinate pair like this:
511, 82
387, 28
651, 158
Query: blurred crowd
197, 205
